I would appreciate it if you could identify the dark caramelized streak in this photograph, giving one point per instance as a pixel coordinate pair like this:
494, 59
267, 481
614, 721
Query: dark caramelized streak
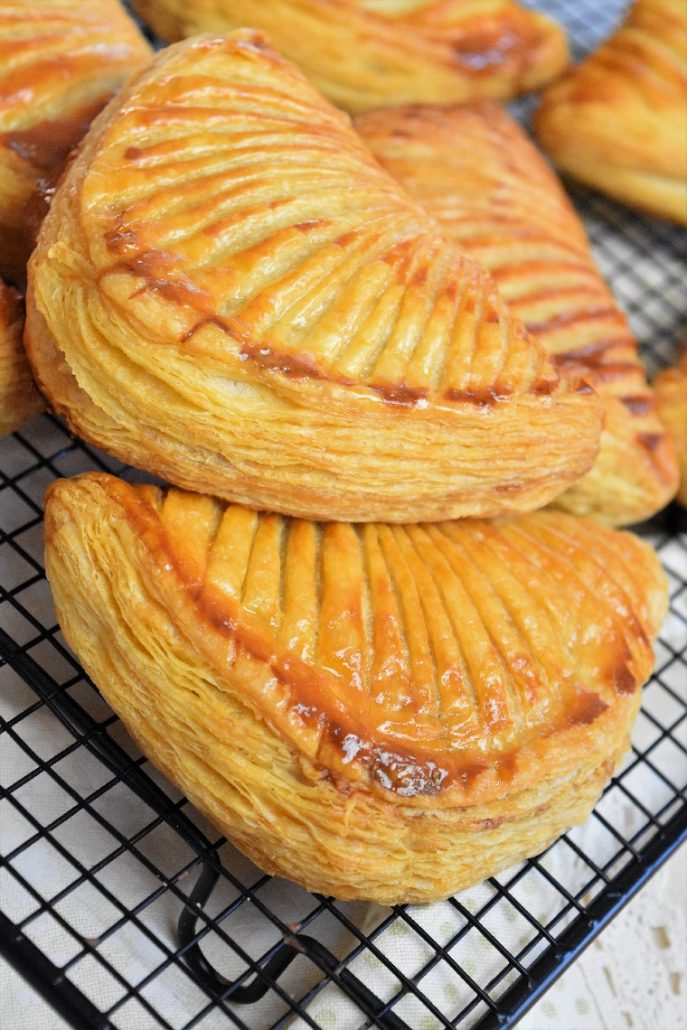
399, 393
586, 709
294, 366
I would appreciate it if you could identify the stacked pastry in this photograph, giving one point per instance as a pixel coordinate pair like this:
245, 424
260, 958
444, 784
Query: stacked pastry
60, 62
316, 633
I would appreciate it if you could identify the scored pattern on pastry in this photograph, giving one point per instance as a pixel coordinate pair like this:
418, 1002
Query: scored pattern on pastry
19, 398
362, 54
477, 174
671, 395
293, 676
60, 61
617, 121
230, 292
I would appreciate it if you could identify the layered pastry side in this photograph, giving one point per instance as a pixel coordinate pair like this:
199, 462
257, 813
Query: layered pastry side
671, 394
364, 54
380, 712
475, 171
617, 121
229, 292
19, 398
60, 62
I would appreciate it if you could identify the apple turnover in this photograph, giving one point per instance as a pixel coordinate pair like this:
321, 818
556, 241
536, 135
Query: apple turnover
19, 398
60, 61
474, 169
364, 54
379, 712
671, 392
618, 121
229, 292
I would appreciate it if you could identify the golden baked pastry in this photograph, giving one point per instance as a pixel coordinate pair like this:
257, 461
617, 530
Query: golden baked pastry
229, 292
364, 54
379, 712
60, 61
19, 398
617, 121
671, 393
474, 169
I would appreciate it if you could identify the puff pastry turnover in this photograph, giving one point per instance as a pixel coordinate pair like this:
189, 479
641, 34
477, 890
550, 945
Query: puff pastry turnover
363, 54
230, 292
617, 121
19, 398
671, 392
60, 61
378, 712
474, 169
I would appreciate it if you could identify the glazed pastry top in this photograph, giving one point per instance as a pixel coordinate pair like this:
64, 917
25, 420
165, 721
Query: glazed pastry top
420, 659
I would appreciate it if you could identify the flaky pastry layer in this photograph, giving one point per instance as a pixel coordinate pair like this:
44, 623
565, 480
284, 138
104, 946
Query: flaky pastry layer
19, 398
60, 62
364, 54
381, 712
475, 171
229, 292
671, 394
617, 121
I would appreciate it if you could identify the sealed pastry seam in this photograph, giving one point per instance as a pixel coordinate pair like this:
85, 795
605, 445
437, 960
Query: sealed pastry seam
348, 702
234, 296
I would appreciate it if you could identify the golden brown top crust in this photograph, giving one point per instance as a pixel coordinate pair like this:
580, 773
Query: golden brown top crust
423, 660
285, 326
223, 189
60, 62
476, 172
671, 394
625, 108
19, 398
365, 54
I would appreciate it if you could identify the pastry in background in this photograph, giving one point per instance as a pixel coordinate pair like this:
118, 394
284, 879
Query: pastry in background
380, 712
60, 62
19, 398
363, 54
619, 120
474, 169
229, 292
671, 393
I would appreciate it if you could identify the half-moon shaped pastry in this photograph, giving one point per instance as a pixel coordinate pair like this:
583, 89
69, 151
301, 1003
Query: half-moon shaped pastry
60, 61
379, 712
474, 169
617, 121
364, 54
230, 292
19, 398
671, 393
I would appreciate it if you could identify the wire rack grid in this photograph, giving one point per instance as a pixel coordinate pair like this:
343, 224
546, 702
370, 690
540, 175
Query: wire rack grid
125, 909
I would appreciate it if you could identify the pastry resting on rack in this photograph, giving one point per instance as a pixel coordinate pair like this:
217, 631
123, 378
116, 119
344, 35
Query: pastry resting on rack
671, 393
379, 712
229, 292
364, 54
60, 61
475, 171
19, 398
617, 121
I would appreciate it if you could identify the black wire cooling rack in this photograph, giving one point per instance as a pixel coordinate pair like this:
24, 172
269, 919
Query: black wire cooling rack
124, 909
